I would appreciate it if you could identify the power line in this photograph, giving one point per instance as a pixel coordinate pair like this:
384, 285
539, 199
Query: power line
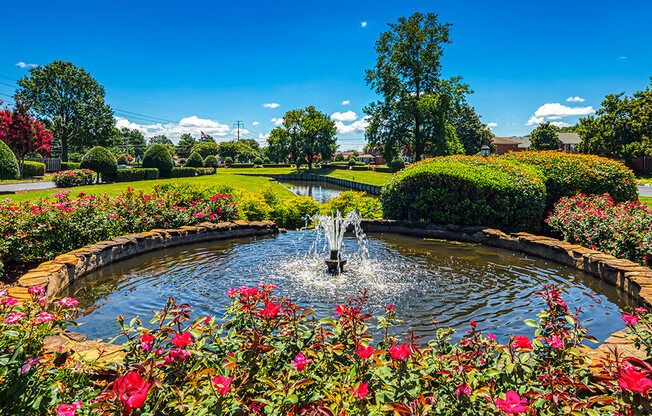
237, 125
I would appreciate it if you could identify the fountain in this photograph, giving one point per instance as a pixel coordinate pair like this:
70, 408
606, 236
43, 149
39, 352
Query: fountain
334, 226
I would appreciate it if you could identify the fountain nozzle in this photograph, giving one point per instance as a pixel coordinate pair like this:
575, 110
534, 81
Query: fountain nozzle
335, 263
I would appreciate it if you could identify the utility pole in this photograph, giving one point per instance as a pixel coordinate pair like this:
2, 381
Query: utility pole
237, 125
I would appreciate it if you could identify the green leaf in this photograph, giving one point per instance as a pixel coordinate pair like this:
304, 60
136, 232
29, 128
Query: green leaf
531, 322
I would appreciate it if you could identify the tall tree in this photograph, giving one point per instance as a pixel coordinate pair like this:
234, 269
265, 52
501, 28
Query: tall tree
160, 139
133, 140
417, 103
471, 131
184, 147
311, 133
71, 104
621, 128
544, 137
278, 145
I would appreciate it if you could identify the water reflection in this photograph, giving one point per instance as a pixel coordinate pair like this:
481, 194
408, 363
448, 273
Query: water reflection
319, 191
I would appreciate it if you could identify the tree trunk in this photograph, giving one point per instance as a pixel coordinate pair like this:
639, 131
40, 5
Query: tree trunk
418, 147
64, 147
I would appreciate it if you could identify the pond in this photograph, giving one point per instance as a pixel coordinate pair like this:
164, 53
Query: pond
427, 280
321, 192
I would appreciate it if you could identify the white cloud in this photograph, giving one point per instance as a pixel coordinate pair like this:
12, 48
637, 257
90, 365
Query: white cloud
242, 132
533, 120
559, 123
492, 124
556, 110
255, 123
277, 121
575, 99
355, 127
345, 116
192, 125
262, 138
271, 105
346, 102
363, 24
24, 65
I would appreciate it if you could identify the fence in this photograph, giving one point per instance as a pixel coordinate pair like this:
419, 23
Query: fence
356, 186
52, 164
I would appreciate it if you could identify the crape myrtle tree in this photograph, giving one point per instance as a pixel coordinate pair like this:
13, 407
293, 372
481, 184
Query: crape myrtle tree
70, 102
311, 134
621, 128
417, 105
544, 137
22, 133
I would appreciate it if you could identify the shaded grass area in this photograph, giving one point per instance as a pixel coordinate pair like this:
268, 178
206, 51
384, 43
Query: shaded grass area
23, 180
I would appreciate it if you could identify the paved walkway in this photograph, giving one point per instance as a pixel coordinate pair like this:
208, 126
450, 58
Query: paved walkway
26, 186
644, 190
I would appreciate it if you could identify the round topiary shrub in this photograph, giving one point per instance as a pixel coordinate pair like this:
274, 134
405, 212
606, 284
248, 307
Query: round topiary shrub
211, 162
339, 157
100, 161
467, 191
352, 161
568, 174
195, 161
158, 157
8, 163
228, 161
122, 160
258, 161
396, 164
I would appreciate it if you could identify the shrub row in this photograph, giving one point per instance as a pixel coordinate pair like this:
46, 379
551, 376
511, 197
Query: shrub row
70, 166
70, 178
131, 175
33, 169
205, 171
467, 190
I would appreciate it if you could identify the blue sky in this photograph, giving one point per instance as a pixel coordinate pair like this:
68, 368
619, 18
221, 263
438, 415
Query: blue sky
170, 67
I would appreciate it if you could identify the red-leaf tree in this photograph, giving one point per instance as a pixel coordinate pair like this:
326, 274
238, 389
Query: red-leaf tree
23, 133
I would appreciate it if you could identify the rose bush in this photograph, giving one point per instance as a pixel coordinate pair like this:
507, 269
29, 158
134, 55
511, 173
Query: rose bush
623, 230
269, 356
71, 178
42, 229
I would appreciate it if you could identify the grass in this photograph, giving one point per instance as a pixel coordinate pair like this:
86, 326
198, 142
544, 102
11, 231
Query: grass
229, 177
22, 180
646, 199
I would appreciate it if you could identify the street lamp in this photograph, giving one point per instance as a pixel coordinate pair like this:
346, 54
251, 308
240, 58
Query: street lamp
485, 150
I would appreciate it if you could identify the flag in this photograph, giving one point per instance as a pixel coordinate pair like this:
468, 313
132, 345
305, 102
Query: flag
204, 136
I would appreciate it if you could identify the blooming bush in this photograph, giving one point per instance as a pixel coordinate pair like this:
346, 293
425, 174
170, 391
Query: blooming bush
598, 222
347, 201
43, 229
467, 190
70, 178
567, 174
269, 356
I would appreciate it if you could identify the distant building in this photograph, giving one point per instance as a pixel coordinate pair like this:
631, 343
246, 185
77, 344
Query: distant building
568, 142
504, 145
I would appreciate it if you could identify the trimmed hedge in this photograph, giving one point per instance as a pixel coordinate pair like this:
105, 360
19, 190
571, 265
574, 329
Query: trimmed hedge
211, 162
194, 161
33, 169
99, 160
131, 175
205, 171
568, 174
468, 191
241, 165
158, 157
8, 163
70, 178
122, 160
70, 166
182, 172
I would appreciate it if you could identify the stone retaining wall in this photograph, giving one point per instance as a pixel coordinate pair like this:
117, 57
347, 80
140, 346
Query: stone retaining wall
57, 274
630, 277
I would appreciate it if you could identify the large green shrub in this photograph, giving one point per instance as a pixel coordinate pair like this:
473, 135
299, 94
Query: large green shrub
70, 166
211, 162
396, 164
347, 201
8, 163
195, 161
258, 161
158, 157
182, 173
100, 161
33, 169
122, 160
228, 161
292, 213
467, 190
131, 175
567, 174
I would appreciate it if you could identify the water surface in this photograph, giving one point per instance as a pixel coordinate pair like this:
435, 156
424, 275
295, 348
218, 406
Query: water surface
427, 280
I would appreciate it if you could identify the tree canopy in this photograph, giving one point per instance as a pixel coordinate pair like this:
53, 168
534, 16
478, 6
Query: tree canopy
544, 137
310, 133
71, 104
278, 145
185, 145
160, 139
472, 133
418, 105
131, 142
621, 128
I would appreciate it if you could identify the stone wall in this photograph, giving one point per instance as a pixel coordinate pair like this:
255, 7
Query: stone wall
57, 274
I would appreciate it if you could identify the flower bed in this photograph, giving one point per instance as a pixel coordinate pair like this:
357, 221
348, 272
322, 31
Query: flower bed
42, 229
269, 356
70, 178
598, 222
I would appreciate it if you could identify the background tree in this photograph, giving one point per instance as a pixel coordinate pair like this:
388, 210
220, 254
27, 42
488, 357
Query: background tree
471, 132
23, 134
621, 128
206, 149
278, 145
311, 133
185, 145
70, 103
544, 137
417, 104
160, 139
131, 142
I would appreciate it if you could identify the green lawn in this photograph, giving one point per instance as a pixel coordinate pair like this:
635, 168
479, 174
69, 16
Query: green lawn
646, 199
223, 177
32, 179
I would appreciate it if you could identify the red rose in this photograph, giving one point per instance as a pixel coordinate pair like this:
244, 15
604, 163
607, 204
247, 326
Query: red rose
131, 389
181, 340
634, 380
